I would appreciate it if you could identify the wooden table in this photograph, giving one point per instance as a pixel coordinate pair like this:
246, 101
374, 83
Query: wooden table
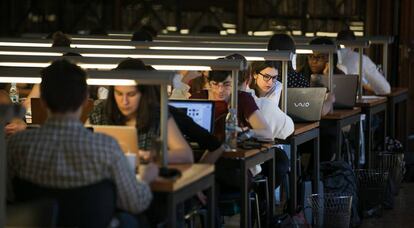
398, 96
194, 178
304, 132
333, 123
248, 159
371, 107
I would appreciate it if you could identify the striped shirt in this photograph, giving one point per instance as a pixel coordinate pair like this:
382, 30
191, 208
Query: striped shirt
64, 154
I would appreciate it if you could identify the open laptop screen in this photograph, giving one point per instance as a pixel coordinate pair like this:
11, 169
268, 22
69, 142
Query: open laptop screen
201, 111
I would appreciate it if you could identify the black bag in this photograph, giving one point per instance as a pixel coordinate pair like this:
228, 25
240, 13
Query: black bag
339, 178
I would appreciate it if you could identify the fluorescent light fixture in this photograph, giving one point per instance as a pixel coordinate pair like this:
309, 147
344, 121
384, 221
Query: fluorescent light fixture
206, 48
231, 31
309, 34
250, 33
342, 46
17, 64
171, 28
356, 28
178, 67
119, 34
223, 32
164, 31
328, 34
228, 25
150, 56
303, 51
184, 31
97, 66
359, 33
357, 23
101, 46
24, 44
99, 39
30, 53
296, 32
20, 80
263, 33
108, 82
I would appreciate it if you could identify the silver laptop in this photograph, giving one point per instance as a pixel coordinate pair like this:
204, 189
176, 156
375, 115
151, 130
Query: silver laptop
126, 136
305, 104
344, 86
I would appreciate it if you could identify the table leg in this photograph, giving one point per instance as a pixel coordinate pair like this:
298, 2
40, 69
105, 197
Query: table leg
271, 186
357, 141
245, 199
316, 165
172, 211
368, 137
293, 174
210, 204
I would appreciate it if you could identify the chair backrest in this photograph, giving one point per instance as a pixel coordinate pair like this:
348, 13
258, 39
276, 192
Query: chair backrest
34, 213
88, 206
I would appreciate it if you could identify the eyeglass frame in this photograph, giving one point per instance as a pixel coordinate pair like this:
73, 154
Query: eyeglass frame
267, 78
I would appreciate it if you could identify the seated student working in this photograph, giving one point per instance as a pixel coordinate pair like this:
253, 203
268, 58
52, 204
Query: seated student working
264, 92
372, 80
139, 106
63, 154
318, 63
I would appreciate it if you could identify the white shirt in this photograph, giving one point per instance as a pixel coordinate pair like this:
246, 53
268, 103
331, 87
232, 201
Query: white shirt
281, 124
370, 75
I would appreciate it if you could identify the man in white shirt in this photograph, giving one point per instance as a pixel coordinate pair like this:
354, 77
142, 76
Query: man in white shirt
348, 61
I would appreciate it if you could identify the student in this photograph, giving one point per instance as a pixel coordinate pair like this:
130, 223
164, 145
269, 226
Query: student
139, 106
372, 79
283, 42
248, 114
318, 63
264, 92
15, 124
64, 154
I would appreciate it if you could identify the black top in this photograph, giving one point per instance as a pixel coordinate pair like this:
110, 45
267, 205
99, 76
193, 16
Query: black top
194, 132
295, 79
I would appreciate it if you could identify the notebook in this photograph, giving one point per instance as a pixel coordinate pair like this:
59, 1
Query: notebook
305, 104
201, 111
39, 111
126, 136
344, 86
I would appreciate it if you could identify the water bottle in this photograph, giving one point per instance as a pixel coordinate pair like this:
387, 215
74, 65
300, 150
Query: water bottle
231, 133
14, 93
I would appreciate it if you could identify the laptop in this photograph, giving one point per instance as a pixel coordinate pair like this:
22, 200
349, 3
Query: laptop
201, 111
305, 104
39, 111
126, 136
345, 88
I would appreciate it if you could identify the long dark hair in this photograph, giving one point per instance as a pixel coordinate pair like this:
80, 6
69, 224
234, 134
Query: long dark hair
255, 68
148, 108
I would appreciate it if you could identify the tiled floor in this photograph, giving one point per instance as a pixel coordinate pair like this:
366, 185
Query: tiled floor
401, 216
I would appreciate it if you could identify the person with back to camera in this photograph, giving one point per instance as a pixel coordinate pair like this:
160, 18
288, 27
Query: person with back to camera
59, 153
372, 80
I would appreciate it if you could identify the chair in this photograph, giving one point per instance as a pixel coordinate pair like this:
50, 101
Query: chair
88, 206
34, 213
229, 205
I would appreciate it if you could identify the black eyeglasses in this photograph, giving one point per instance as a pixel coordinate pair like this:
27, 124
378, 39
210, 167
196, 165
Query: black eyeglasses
268, 77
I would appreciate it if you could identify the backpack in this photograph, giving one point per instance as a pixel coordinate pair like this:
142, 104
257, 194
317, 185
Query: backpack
339, 178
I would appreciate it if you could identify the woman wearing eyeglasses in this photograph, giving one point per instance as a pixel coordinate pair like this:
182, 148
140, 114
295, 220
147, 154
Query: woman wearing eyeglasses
266, 91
